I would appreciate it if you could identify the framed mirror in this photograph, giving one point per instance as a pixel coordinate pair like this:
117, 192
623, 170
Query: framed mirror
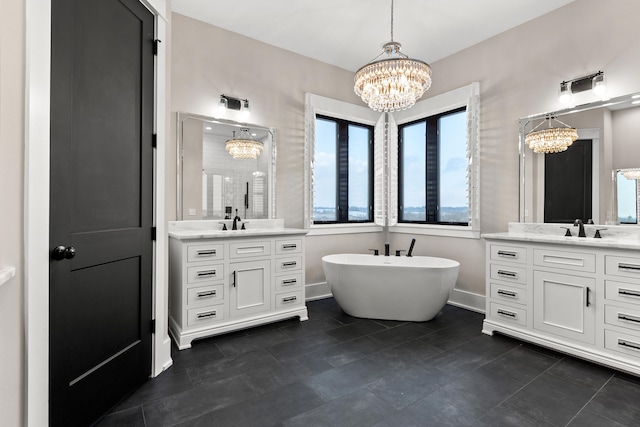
610, 129
211, 183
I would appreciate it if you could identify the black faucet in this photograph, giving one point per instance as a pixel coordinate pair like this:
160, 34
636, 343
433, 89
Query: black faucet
413, 242
235, 221
578, 222
386, 249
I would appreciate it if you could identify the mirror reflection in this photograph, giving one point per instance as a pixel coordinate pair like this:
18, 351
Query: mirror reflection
212, 184
577, 183
627, 196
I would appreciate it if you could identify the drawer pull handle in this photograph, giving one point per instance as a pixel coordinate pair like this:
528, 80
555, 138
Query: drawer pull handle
211, 252
509, 274
289, 246
623, 343
206, 273
628, 292
289, 264
508, 314
628, 318
208, 294
508, 294
289, 299
207, 315
508, 254
633, 267
289, 282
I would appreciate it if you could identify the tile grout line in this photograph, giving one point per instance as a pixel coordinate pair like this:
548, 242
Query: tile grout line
591, 399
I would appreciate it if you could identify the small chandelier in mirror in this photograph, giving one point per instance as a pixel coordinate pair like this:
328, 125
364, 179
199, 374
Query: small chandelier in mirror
243, 146
395, 82
551, 140
631, 173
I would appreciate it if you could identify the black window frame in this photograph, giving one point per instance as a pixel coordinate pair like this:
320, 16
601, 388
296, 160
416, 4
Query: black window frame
432, 196
342, 171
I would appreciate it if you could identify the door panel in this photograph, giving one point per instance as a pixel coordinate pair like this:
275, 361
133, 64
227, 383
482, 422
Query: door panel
101, 204
567, 183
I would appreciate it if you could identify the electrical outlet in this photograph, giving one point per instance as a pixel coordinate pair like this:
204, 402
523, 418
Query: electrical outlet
526, 213
192, 212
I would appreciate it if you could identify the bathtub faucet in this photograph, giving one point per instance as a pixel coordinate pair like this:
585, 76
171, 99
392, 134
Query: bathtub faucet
413, 242
386, 249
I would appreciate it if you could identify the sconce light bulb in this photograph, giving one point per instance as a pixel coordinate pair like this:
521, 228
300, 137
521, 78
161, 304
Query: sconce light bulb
564, 94
599, 85
222, 105
246, 109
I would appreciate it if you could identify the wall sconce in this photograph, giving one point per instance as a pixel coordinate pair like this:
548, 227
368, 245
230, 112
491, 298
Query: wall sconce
595, 82
237, 104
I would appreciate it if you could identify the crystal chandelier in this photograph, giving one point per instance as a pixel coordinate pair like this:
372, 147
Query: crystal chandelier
631, 173
244, 146
551, 140
395, 82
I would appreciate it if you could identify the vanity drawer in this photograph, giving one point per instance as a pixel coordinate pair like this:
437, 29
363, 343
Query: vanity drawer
205, 273
510, 294
506, 253
205, 315
288, 299
208, 252
288, 246
288, 264
509, 273
288, 281
204, 295
508, 313
577, 261
622, 343
249, 249
623, 292
622, 266
623, 317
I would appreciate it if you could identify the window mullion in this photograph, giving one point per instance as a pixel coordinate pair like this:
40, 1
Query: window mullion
432, 170
343, 172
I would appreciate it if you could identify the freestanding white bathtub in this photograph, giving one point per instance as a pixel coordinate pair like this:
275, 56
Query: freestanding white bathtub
390, 287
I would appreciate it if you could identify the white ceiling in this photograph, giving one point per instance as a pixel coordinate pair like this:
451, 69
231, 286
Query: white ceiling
350, 33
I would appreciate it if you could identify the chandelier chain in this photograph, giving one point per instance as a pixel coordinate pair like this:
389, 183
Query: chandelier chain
391, 20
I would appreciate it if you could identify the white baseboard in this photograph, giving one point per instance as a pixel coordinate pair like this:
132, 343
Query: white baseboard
462, 299
316, 291
467, 300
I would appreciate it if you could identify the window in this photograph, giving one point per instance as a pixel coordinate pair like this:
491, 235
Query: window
432, 184
343, 172
627, 198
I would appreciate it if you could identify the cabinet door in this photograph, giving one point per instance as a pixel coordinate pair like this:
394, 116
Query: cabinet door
564, 305
250, 287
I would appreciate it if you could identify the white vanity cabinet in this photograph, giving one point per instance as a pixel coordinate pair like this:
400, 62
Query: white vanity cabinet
223, 284
581, 299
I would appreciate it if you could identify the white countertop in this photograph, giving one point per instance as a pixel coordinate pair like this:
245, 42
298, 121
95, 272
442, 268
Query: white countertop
613, 237
219, 234
188, 230
611, 243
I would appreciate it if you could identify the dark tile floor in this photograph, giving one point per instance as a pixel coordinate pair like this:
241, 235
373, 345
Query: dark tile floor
337, 370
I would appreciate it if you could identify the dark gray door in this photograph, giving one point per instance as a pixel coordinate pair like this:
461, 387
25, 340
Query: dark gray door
567, 183
101, 216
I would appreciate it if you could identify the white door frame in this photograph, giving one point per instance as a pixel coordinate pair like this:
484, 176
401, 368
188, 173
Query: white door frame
36, 206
